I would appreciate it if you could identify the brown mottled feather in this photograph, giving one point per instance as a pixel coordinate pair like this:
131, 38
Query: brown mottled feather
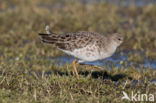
70, 41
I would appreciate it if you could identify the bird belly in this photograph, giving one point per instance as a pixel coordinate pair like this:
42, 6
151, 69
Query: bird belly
85, 54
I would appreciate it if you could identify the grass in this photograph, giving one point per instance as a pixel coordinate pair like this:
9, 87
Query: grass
26, 76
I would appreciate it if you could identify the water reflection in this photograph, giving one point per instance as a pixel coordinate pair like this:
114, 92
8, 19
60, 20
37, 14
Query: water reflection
117, 60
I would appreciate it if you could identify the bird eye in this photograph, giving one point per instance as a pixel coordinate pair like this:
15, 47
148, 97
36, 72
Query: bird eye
119, 39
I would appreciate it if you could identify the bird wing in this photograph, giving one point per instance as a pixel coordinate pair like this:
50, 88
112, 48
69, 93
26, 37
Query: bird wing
69, 41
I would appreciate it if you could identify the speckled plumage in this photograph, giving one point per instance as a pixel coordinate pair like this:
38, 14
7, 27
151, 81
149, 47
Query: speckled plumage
86, 46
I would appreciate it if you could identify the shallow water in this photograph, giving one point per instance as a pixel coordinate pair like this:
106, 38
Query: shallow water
123, 2
118, 60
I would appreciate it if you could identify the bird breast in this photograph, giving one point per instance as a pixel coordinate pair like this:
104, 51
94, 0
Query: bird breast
108, 51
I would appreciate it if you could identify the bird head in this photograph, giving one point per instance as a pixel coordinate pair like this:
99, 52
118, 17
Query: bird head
117, 39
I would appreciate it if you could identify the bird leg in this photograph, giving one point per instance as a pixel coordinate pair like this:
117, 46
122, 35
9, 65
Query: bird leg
94, 66
75, 69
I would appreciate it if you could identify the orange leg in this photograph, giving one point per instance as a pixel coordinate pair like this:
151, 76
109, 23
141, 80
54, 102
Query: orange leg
75, 70
93, 66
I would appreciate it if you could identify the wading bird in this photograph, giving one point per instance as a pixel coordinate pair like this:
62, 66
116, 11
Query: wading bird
85, 46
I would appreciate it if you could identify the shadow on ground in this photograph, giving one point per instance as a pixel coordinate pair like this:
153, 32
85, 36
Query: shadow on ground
94, 74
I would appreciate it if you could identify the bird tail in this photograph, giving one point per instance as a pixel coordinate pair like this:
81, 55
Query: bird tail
48, 37
48, 30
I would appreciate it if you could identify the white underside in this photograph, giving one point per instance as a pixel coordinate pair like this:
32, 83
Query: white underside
85, 55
